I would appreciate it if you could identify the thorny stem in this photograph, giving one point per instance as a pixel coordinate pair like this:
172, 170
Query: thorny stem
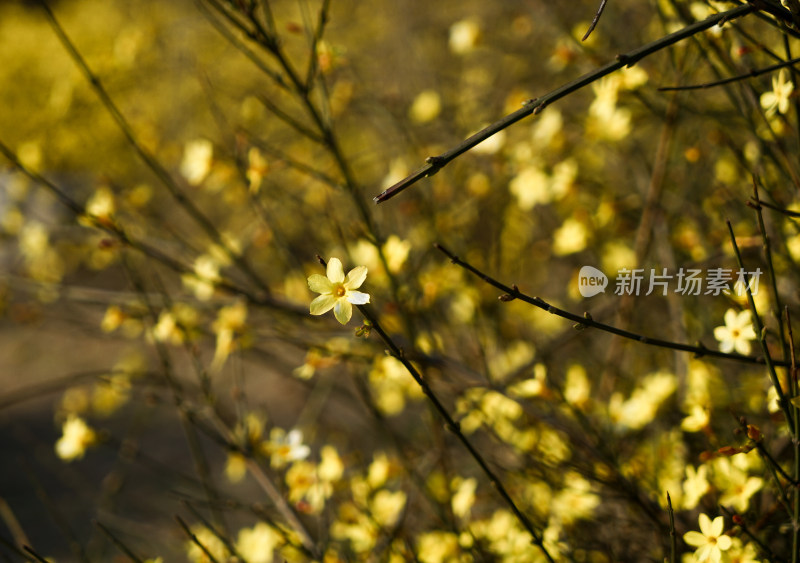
587, 321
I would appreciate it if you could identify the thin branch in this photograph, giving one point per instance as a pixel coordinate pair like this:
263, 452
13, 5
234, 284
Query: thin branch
453, 426
595, 20
513, 292
745, 76
534, 106
149, 159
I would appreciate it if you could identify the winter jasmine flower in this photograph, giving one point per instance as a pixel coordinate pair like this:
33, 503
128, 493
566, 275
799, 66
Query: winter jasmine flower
709, 541
737, 332
337, 292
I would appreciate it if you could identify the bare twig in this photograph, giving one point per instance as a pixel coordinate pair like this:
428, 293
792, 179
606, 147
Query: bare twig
595, 20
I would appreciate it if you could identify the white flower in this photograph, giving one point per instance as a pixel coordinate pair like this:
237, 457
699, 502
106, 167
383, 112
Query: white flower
736, 334
77, 437
778, 98
337, 292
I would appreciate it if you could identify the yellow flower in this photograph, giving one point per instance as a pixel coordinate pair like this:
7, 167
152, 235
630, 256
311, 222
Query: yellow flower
709, 541
778, 98
77, 437
337, 292
737, 332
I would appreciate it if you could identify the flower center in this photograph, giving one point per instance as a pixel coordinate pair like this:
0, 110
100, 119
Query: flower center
339, 291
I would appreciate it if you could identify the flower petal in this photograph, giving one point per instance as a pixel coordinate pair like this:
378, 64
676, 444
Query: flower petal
716, 527
320, 284
705, 524
322, 304
343, 311
695, 539
335, 270
356, 277
357, 297
724, 542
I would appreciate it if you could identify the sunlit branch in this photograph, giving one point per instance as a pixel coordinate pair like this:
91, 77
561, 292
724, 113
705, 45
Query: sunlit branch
452, 425
513, 292
751, 74
534, 106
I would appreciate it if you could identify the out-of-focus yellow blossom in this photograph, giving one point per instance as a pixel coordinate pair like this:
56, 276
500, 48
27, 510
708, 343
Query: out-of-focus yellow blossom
196, 163
33, 240
641, 407
257, 544
205, 277
77, 436
464, 496
777, 100
211, 543
492, 145
235, 467
506, 538
230, 323
515, 356
310, 485
464, 36
577, 389
396, 251
616, 256
575, 501
737, 485
257, 168
552, 445
393, 385
438, 547
111, 394
426, 106
695, 486
167, 329
314, 360
113, 318
739, 553
606, 120
709, 541
356, 527
737, 332
386, 506
285, 448
697, 419
533, 186
250, 429
30, 155
100, 206
337, 292
533, 387
378, 471
570, 238
548, 130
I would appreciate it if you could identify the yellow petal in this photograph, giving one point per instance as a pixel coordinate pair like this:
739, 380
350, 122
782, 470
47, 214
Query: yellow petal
343, 311
322, 304
356, 277
320, 284
335, 270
